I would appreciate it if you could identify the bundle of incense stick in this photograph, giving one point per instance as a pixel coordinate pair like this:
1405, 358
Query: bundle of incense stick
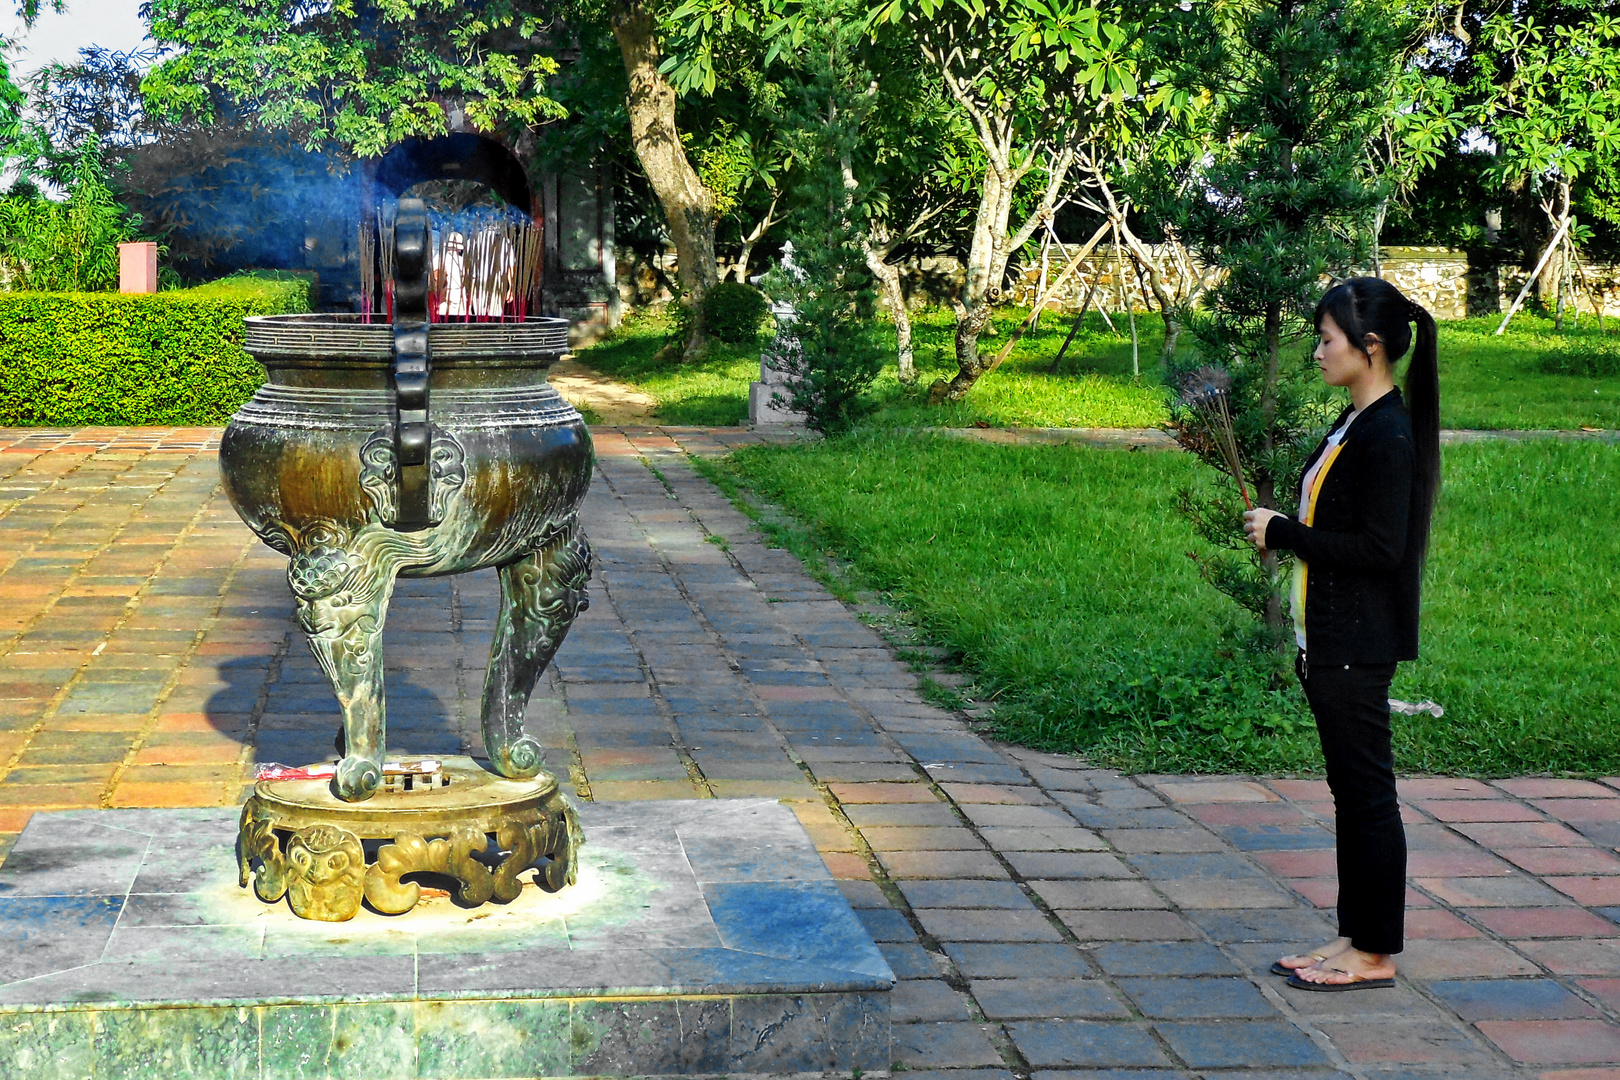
385, 261
439, 274
367, 249
1204, 393
527, 260
480, 269
273, 770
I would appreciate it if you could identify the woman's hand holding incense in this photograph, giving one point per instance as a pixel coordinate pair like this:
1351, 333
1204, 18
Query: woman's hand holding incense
1254, 525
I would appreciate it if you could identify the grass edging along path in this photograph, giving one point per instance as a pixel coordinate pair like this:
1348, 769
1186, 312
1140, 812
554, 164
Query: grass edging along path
1057, 577
1490, 382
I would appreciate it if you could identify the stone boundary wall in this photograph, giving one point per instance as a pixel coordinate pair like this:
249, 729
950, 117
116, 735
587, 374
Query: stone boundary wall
1443, 280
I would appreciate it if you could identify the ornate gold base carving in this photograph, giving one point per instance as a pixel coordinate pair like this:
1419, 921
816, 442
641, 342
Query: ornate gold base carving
299, 840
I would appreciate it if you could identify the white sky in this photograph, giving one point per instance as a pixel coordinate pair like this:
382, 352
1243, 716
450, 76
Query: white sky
113, 24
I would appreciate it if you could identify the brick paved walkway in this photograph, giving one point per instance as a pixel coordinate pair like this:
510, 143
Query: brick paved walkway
1044, 917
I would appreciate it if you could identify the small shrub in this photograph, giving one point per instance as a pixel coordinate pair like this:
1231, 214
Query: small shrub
733, 312
74, 358
1593, 357
67, 246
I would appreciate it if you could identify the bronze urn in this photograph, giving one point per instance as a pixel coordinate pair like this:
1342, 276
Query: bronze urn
376, 450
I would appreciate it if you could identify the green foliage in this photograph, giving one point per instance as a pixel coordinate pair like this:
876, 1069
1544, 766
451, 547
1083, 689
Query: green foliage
1056, 577
1591, 356
1490, 382
734, 312
1283, 196
362, 76
1553, 103
710, 391
70, 246
1499, 382
830, 351
168, 358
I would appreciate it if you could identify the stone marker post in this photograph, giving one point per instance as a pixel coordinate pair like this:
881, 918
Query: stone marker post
776, 377
137, 268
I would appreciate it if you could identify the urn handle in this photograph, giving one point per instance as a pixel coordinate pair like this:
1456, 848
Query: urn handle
412, 369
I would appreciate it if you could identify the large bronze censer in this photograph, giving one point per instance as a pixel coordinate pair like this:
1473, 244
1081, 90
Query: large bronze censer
416, 449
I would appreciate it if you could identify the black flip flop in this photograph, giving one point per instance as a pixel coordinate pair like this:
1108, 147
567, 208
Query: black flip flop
1332, 988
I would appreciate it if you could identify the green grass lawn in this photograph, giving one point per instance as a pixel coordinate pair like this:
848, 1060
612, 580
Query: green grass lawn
1057, 577
1486, 381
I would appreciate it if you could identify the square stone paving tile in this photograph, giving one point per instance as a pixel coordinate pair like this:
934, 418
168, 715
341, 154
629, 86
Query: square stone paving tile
1155, 841
1016, 999
1519, 890
1213, 1044
1163, 958
927, 1000
942, 864
1068, 864
1581, 809
1591, 956
1555, 1042
1042, 840
1475, 958
1198, 791
1483, 809
965, 894
862, 815
1539, 787
1404, 1042
1186, 999
1437, 924
951, 924
1563, 860
986, 960
1098, 894
1095, 925
1500, 835
1048, 1044
1590, 890
909, 960
908, 838
1510, 999
991, 815
1212, 893
1567, 922
1242, 924
945, 1045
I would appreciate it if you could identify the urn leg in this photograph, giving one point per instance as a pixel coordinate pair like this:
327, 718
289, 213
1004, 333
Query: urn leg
345, 633
540, 596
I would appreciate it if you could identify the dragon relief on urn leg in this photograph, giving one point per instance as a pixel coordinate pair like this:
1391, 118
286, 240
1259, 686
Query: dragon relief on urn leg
342, 604
540, 596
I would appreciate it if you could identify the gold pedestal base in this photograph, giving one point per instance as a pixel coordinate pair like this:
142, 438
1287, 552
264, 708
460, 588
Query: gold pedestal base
299, 840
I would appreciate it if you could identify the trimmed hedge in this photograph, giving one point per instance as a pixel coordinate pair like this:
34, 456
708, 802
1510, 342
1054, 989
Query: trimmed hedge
70, 359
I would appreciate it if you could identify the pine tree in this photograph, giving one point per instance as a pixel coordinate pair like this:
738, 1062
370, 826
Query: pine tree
1282, 200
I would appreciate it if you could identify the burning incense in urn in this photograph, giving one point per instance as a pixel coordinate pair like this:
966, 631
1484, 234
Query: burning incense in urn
481, 270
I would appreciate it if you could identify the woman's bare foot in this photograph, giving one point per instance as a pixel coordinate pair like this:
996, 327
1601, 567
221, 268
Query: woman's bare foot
1323, 952
1347, 967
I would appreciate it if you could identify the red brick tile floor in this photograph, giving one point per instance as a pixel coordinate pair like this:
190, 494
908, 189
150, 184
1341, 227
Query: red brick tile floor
1041, 914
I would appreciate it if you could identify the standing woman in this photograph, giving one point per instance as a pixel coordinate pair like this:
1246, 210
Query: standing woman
1359, 540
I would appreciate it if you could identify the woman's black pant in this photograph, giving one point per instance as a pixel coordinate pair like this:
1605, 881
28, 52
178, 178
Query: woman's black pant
1351, 706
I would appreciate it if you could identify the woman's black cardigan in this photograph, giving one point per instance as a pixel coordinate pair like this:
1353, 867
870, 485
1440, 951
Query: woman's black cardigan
1363, 552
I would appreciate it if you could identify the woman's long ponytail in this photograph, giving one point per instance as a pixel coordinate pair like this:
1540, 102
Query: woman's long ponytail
1366, 308
1423, 405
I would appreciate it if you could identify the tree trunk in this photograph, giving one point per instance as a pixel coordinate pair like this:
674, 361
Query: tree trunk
1172, 333
889, 275
970, 322
687, 203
